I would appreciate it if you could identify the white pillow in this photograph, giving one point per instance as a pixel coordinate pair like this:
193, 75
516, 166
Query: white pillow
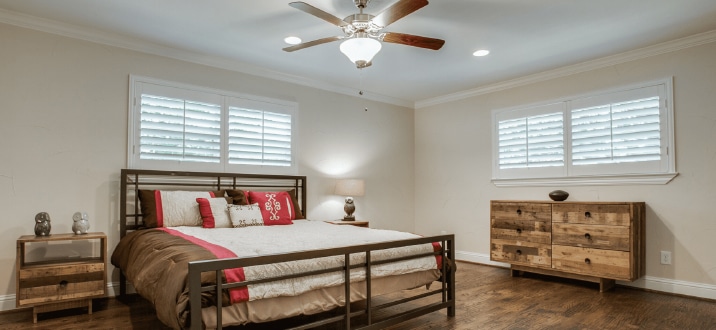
245, 215
214, 212
179, 208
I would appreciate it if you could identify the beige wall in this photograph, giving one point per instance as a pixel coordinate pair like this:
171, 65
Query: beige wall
63, 137
453, 163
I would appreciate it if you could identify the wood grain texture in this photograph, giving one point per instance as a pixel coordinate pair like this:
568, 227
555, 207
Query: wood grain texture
594, 236
593, 214
53, 284
598, 240
487, 298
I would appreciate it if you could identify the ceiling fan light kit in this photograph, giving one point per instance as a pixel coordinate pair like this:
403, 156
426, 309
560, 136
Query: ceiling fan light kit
361, 50
363, 35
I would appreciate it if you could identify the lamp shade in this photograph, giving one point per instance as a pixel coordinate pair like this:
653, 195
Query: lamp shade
360, 50
350, 187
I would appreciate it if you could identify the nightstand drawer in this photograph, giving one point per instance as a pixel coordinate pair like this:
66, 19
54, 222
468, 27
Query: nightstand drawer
52, 283
592, 236
592, 262
594, 214
525, 231
528, 211
529, 254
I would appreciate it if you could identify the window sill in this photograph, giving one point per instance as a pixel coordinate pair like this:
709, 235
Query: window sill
601, 180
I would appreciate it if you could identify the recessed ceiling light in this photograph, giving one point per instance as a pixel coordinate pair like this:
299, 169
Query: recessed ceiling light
292, 40
481, 52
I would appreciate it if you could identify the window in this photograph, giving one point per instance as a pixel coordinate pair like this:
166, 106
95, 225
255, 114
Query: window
621, 136
181, 127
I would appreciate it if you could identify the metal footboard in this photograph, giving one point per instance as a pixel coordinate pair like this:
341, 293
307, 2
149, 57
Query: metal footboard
446, 290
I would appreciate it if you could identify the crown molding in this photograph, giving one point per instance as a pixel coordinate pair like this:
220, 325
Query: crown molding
658, 49
116, 40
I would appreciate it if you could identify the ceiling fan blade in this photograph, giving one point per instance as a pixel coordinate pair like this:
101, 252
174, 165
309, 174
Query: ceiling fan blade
318, 13
311, 43
397, 11
415, 41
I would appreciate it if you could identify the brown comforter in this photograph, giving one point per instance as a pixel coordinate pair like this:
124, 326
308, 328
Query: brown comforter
157, 263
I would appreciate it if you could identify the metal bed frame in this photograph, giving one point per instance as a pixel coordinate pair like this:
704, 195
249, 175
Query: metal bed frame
131, 219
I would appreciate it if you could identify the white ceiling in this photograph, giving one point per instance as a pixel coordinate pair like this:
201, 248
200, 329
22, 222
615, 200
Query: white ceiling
524, 36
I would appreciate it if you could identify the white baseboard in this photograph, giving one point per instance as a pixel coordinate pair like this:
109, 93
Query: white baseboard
692, 289
7, 302
707, 291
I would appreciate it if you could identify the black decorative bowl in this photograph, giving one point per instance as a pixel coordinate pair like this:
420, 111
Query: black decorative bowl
558, 195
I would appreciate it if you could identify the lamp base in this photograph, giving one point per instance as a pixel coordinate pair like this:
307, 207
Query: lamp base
349, 208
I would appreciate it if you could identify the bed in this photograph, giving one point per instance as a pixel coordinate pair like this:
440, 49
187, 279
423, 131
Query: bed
248, 272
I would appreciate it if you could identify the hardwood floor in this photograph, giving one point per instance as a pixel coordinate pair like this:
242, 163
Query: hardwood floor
487, 298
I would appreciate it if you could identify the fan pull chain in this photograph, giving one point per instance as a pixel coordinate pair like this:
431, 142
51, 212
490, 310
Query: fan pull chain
360, 84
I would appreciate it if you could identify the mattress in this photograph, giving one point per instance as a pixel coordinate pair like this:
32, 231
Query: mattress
155, 262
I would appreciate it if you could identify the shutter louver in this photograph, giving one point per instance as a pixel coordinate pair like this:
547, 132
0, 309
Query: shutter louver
617, 133
259, 137
531, 142
179, 130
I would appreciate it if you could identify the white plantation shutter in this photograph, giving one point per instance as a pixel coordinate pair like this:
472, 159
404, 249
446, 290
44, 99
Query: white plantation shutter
512, 135
617, 133
180, 127
604, 135
535, 141
530, 141
179, 130
259, 137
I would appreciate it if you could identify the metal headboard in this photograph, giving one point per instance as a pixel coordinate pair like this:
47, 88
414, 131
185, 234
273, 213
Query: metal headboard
133, 180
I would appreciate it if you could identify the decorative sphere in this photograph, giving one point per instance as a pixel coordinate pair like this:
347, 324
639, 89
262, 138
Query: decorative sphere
558, 195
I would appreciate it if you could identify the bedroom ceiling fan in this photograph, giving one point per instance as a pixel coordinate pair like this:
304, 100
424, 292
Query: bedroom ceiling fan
363, 33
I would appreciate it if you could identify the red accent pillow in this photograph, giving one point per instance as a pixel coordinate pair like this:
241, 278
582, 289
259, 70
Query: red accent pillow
276, 207
214, 212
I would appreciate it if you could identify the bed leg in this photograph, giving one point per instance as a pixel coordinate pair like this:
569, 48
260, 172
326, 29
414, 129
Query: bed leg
195, 298
122, 285
451, 278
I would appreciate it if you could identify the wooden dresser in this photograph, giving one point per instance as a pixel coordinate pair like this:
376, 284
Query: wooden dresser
61, 283
593, 241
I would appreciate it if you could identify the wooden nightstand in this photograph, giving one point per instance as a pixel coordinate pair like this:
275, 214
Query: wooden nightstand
60, 283
350, 223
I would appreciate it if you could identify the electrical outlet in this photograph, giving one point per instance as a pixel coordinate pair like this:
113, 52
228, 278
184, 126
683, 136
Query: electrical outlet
666, 257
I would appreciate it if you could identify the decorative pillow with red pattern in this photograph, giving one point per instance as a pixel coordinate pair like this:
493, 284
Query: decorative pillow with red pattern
276, 207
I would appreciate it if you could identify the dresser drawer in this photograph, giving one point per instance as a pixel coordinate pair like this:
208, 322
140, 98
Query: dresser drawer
591, 236
521, 211
534, 231
595, 214
60, 282
529, 254
592, 262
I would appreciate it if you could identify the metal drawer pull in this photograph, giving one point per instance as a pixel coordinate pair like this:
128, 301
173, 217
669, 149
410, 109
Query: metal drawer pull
519, 231
63, 283
587, 261
519, 212
587, 236
587, 214
518, 252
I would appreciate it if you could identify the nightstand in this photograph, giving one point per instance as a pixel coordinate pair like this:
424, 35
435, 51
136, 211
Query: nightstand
61, 283
350, 223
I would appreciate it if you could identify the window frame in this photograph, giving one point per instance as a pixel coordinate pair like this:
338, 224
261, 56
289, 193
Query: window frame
567, 175
227, 98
